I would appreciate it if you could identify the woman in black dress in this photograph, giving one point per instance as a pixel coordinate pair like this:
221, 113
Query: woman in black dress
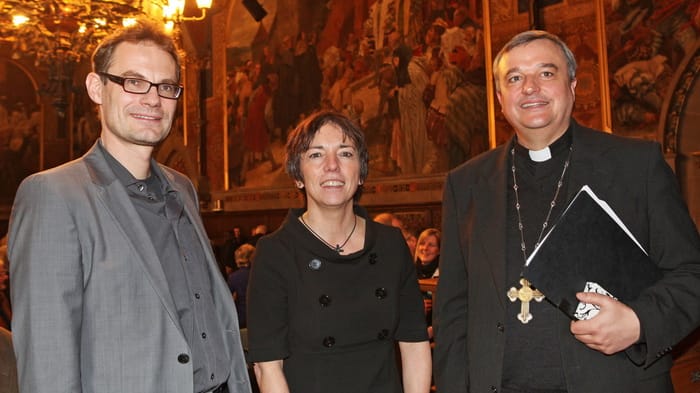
331, 291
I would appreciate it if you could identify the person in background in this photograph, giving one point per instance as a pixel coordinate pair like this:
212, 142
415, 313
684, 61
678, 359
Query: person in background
496, 208
331, 292
390, 219
238, 280
5, 309
259, 231
233, 240
427, 256
115, 287
427, 260
8, 365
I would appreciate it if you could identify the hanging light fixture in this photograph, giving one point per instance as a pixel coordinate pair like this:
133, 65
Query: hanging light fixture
59, 34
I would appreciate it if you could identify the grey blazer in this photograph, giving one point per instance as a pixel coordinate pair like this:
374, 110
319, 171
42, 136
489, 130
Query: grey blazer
92, 308
470, 303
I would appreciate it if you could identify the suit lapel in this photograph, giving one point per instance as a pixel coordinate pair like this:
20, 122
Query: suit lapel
118, 204
490, 197
586, 168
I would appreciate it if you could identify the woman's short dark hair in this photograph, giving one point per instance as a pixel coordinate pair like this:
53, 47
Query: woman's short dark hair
142, 30
300, 139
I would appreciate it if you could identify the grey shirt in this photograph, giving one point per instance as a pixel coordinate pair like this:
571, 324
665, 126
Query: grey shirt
184, 264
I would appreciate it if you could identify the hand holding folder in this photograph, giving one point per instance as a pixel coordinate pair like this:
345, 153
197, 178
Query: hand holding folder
589, 247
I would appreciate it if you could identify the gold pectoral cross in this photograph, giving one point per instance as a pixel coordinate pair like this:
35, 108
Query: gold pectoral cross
526, 293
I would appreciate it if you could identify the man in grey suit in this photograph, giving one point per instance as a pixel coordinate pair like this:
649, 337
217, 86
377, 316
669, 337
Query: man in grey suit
114, 284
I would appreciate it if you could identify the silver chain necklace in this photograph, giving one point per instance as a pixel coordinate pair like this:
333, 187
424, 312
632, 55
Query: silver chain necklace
526, 292
551, 204
338, 247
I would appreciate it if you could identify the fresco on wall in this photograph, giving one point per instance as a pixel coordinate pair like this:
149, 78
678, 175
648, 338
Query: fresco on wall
411, 73
20, 121
647, 42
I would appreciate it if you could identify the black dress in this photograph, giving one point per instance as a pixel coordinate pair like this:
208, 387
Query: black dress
334, 319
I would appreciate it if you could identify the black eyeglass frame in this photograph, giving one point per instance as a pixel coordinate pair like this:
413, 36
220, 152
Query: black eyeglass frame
120, 80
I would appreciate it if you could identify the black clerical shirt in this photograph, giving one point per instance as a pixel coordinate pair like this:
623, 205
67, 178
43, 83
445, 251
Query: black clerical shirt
532, 360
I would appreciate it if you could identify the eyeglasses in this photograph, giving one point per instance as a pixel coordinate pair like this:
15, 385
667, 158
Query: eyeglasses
142, 86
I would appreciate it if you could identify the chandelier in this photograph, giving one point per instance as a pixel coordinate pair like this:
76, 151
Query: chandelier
60, 34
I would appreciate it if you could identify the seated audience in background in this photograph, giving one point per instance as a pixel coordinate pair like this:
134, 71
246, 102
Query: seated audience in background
233, 240
238, 280
257, 232
8, 365
411, 241
390, 219
5, 310
427, 259
427, 256
332, 294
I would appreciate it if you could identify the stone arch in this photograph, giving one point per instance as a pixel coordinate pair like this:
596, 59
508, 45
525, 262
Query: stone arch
174, 154
678, 129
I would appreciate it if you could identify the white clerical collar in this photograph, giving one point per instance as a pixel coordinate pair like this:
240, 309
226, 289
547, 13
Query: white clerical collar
540, 155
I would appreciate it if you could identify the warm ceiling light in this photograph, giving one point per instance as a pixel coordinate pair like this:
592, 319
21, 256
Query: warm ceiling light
18, 20
204, 4
179, 6
126, 22
169, 26
174, 10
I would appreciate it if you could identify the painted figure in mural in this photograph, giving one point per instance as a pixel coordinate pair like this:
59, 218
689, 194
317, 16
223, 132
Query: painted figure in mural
257, 134
647, 41
285, 99
115, 287
362, 65
466, 113
308, 73
415, 152
496, 208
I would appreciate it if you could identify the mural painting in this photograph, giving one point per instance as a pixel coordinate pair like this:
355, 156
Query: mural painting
647, 42
20, 122
411, 73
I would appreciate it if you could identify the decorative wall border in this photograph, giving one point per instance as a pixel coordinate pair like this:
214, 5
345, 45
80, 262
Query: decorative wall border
377, 192
674, 106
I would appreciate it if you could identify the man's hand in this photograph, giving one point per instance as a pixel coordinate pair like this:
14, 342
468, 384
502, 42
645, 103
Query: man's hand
615, 328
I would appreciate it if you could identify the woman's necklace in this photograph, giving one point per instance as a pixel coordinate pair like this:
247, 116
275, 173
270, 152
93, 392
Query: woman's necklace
338, 247
526, 293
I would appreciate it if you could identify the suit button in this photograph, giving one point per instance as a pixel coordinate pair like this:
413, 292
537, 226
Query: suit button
494, 389
383, 334
325, 300
328, 341
183, 358
500, 327
380, 293
372, 258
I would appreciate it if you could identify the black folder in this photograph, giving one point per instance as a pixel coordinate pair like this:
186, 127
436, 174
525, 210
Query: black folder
589, 243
